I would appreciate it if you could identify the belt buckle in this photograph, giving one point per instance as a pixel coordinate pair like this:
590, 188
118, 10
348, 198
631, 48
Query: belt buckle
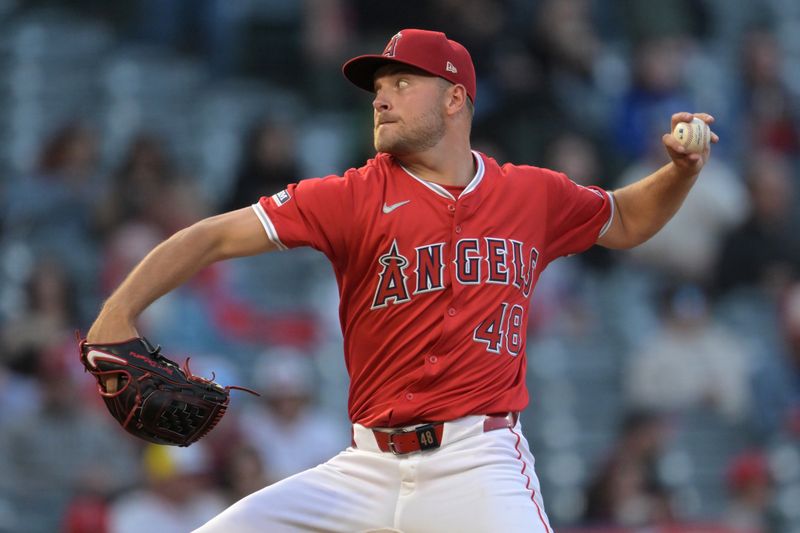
391, 441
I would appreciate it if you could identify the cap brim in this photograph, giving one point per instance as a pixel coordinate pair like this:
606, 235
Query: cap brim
361, 70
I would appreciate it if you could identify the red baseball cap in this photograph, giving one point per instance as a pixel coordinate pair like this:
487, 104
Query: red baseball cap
430, 51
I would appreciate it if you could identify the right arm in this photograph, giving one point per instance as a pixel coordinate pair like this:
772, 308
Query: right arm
235, 234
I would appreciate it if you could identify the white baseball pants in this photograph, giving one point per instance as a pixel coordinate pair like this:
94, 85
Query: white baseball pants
475, 482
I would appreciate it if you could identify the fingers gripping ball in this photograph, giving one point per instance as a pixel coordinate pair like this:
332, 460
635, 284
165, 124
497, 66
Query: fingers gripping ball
694, 136
151, 396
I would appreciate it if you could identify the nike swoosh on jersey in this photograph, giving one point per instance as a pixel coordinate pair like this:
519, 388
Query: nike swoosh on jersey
94, 355
389, 208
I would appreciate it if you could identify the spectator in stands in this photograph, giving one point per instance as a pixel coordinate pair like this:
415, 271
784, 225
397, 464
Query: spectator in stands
764, 251
573, 55
268, 163
64, 448
20, 395
750, 488
49, 211
326, 34
776, 379
179, 495
771, 114
627, 490
54, 201
691, 361
575, 155
43, 325
143, 185
791, 327
86, 513
657, 89
45, 320
287, 418
242, 471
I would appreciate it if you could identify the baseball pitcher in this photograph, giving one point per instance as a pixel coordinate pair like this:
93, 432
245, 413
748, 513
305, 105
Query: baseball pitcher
436, 249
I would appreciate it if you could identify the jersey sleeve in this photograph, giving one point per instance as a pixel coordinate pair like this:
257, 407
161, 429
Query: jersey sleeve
315, 212
577, 216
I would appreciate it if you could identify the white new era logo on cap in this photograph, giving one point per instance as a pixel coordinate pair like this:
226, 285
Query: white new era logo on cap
451, 68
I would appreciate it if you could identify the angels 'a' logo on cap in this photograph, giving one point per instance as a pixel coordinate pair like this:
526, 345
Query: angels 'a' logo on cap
451, 68
391, 47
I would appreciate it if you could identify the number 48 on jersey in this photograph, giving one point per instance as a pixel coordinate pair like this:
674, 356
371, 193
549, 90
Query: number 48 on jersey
502, 329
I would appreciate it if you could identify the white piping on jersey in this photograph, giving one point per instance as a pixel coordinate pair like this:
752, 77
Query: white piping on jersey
441, 191
269, 227
607, 225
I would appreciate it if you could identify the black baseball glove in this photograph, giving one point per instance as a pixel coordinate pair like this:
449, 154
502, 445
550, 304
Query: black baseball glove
151, 396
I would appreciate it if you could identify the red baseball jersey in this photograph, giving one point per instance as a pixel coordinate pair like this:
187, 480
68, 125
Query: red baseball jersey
434, 289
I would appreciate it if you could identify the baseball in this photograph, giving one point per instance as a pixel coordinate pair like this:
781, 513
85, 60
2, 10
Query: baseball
694, 135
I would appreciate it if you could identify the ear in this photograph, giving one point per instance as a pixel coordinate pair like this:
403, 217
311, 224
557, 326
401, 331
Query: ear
456, 98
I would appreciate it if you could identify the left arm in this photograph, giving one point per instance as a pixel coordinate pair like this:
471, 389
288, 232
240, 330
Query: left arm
644, 207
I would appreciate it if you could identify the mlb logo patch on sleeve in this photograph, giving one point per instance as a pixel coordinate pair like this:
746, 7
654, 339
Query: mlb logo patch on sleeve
281, 198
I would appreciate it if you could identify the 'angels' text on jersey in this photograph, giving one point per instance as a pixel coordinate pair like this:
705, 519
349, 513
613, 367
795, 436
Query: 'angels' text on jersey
488, 260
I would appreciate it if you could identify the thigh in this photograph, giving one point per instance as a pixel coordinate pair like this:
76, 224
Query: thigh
484, 483
354, 491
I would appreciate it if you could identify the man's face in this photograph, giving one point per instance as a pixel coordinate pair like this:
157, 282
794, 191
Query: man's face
408, 110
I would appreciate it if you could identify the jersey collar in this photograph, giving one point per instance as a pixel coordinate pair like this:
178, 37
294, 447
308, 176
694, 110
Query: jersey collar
441, 191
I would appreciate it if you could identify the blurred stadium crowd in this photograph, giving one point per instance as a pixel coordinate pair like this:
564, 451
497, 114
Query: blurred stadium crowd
665, 381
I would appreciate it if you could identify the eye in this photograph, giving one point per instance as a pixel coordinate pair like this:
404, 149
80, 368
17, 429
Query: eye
402, 83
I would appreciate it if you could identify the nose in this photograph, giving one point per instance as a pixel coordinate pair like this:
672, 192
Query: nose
380, 103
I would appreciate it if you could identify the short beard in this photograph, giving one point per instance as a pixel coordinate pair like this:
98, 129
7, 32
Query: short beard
426, 134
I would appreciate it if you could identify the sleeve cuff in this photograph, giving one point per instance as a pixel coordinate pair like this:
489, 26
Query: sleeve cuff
269, 227
607, 225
